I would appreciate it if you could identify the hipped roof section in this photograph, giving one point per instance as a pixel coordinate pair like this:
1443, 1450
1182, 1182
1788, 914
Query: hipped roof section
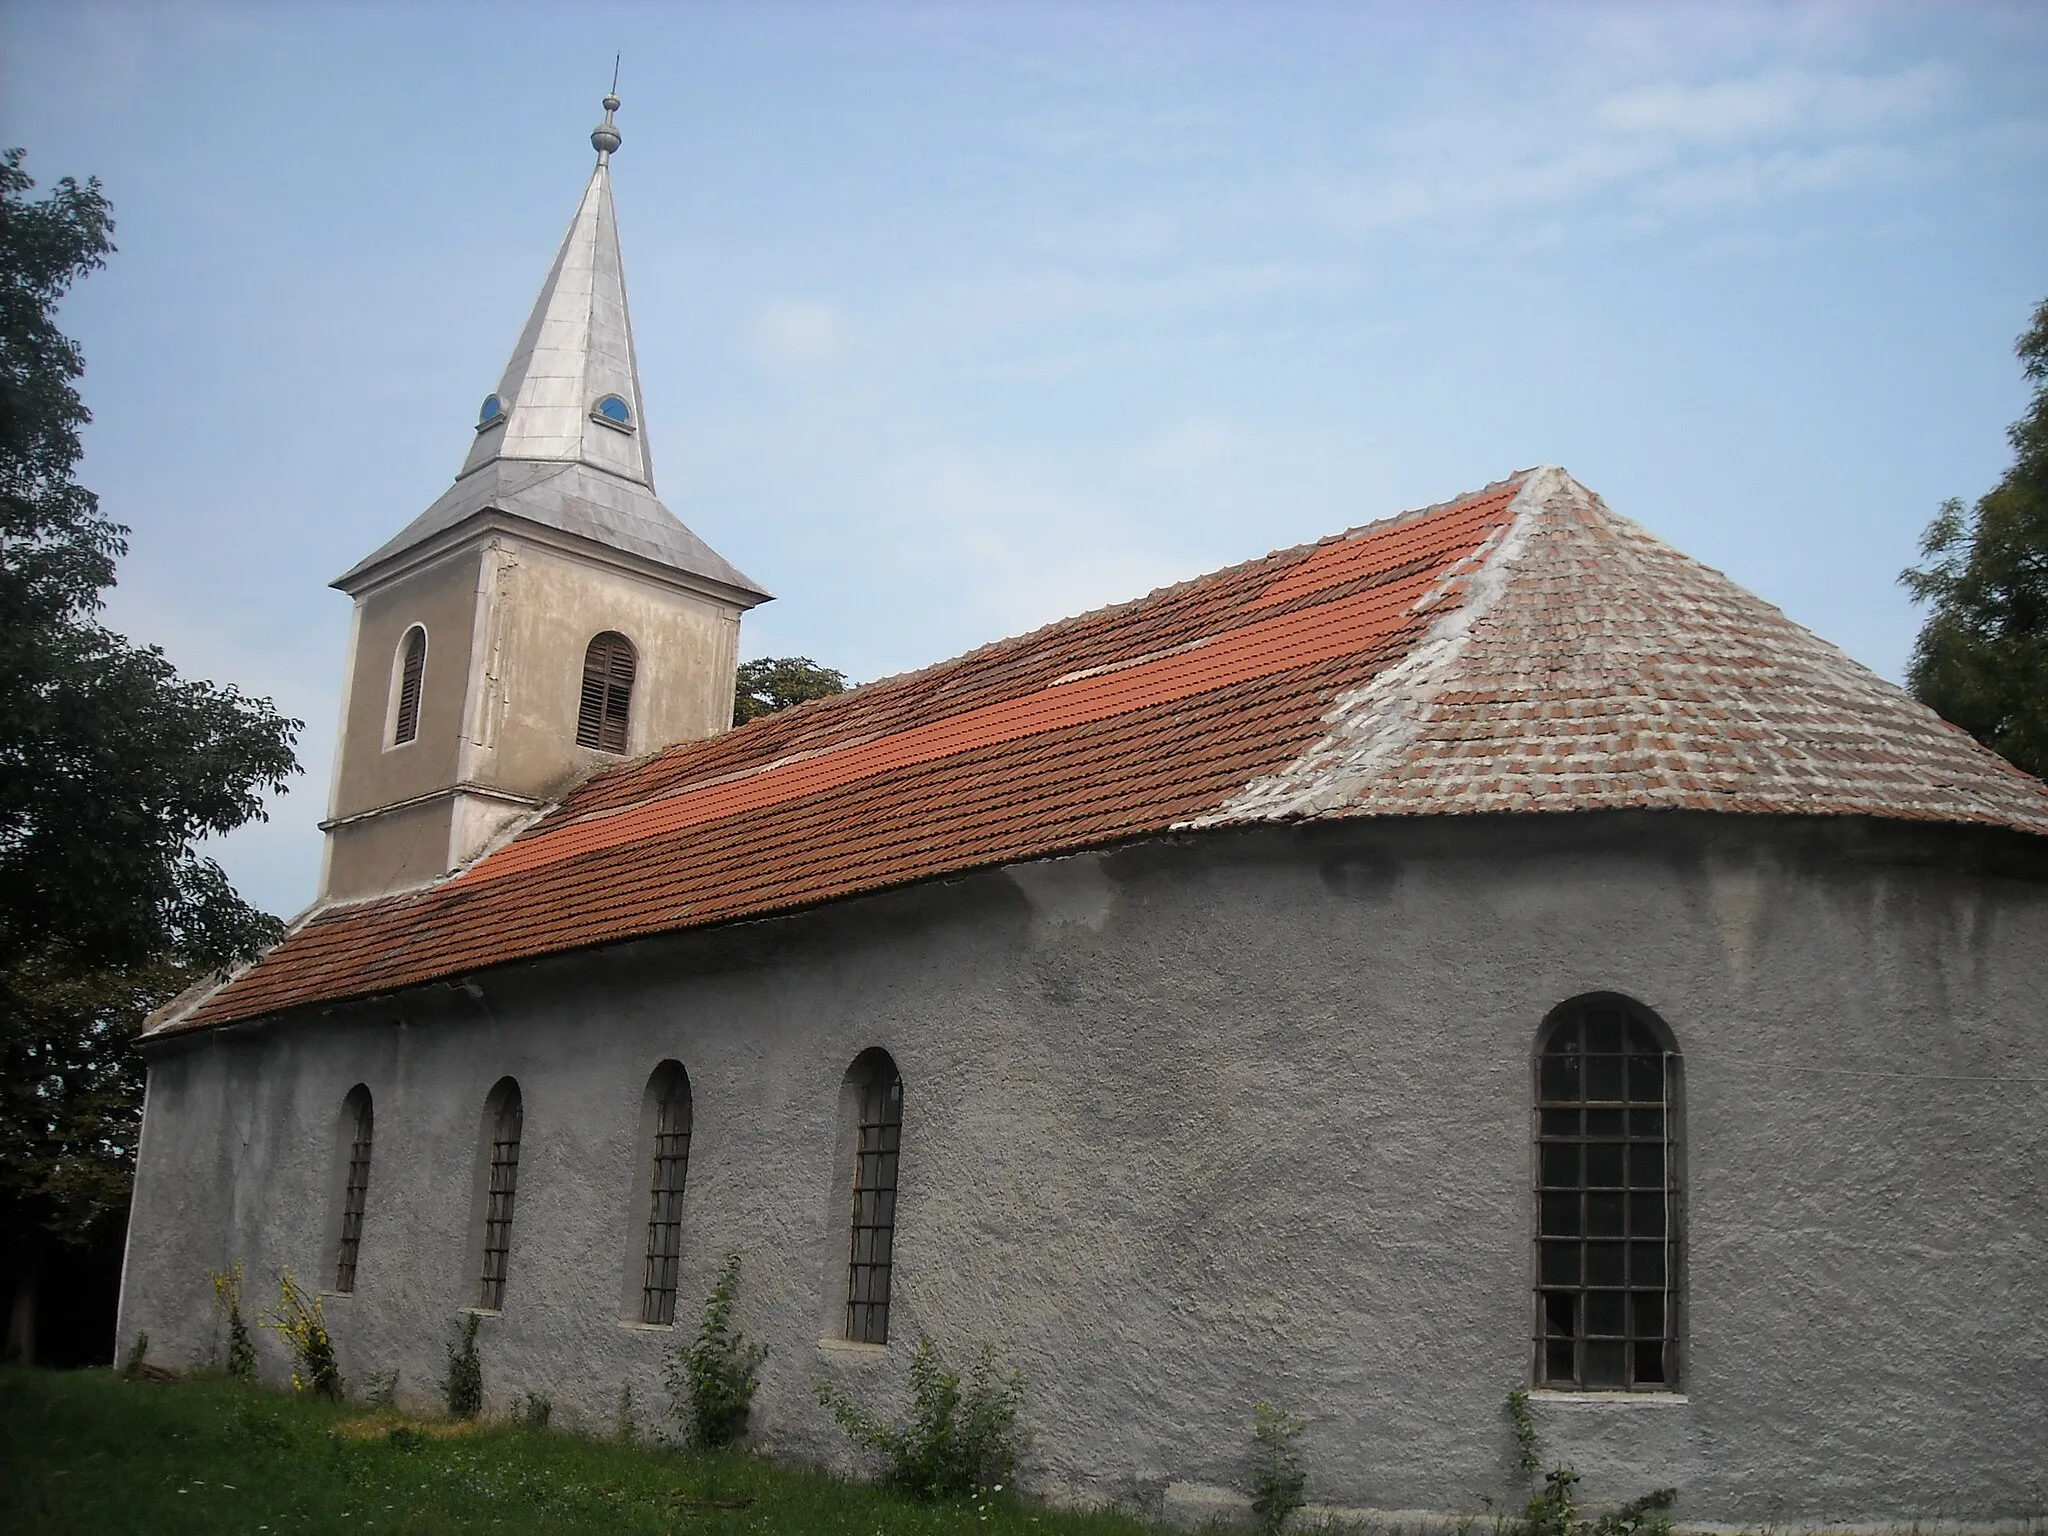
1522, 649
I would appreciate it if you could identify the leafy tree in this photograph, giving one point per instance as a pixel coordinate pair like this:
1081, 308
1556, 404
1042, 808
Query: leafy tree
1982, 657
112, 767
776, 682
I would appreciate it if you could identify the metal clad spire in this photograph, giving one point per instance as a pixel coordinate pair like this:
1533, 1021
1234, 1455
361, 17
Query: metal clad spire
560, 442
571, 391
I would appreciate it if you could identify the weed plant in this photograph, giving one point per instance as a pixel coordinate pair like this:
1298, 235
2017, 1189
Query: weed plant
711, 1384
1279, 1467
535, 1409
1528, 1449
227, 1307
465, 1383
957, 1442
1552, 1511
299, 1320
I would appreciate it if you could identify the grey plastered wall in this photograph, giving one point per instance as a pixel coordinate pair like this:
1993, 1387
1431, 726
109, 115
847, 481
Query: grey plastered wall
1199, 1122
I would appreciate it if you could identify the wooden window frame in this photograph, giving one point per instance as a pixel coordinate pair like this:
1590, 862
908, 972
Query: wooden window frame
1607, 1183
604, 703
877, 1152
355, 1193
674, 1117
501, 1189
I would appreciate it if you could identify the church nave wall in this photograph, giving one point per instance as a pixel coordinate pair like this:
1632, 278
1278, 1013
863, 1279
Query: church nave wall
1192, 1124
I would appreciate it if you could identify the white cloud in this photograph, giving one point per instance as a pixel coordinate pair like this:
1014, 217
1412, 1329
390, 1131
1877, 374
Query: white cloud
798, 335
1197, 447
1750, 180
1027, 552
1778, 103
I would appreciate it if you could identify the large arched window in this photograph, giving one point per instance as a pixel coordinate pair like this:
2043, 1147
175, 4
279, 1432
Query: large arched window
358, 1121
1607, 1198
669, 1091
604, 710
504, 1118
878, 1138
409, 676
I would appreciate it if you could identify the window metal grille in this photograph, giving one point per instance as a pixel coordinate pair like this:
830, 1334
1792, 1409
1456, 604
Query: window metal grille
498, 1201
665, 1218
1607, 1193
412, 673
355, 1193
874, 1206
606, 702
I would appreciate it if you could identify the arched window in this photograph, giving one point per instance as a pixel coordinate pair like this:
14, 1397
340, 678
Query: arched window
669, 1088
878, 1138
358, 1120
603, 712
1607, 1197
504, 1115
405, 693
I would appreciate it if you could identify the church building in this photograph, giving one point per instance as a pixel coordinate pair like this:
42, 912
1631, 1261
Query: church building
1484, 949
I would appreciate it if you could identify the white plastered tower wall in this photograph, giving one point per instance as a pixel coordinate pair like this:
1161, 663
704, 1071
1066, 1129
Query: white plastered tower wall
550, 536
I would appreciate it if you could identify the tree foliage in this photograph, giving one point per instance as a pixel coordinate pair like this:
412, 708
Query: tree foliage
112, 769
1981, 660
776, 682
111, 765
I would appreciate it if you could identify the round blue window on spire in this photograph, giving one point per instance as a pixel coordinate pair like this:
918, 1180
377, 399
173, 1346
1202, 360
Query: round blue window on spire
491, 414
614, 410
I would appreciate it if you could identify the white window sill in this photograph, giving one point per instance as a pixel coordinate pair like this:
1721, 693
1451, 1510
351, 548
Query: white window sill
853, 1349
1644, 1399
634, 1325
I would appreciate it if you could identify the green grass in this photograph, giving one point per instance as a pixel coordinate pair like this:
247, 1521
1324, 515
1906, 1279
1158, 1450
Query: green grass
91, 1451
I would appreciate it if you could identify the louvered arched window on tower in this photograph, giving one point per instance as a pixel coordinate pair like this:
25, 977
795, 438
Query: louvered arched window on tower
605, 709
412, 675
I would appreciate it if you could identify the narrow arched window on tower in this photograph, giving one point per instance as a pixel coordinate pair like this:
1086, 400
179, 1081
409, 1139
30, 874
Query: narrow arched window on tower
504, 1117
358, 1121
405, 696
878, 1139
604, 711
1608, 1200
670, 1088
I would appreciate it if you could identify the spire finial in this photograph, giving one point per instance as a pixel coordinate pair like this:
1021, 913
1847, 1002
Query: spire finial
604, 138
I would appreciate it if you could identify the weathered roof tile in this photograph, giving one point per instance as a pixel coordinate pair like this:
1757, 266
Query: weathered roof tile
1521, 649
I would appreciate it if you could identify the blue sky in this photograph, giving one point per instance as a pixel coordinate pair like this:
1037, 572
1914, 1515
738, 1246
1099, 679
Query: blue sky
955, 319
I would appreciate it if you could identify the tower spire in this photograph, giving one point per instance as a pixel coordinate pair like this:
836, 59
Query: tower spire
571, 390
560, 442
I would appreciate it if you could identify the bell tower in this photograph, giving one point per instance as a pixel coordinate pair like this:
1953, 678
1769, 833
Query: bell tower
546, 617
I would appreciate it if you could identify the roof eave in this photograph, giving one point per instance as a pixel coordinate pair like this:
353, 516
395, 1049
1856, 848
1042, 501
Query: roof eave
379, 571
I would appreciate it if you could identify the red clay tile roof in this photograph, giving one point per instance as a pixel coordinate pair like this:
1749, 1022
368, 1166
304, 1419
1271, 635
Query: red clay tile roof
1520, 649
